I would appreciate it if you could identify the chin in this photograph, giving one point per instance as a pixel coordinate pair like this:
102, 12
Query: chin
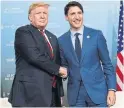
42, 25
77, 27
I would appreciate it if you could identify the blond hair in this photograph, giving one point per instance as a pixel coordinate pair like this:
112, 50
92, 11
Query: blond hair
35, 5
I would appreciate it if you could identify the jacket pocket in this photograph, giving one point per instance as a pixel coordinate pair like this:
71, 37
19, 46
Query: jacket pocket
99, 76
29, 88
27, 78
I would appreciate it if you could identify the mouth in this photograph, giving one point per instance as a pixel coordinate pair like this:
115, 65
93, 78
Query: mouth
41, 21
77, 21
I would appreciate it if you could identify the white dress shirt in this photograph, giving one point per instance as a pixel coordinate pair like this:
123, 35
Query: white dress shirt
81, 30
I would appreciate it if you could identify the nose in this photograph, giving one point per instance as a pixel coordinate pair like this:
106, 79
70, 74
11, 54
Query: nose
76, 16
42, 15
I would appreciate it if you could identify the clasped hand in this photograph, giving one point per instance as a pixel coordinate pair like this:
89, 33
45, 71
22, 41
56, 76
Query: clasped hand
63, 72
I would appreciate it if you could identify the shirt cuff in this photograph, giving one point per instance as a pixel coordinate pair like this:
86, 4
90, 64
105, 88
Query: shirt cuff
112, 90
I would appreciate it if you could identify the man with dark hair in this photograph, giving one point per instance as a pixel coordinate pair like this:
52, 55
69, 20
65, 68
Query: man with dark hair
37, 81
83, 50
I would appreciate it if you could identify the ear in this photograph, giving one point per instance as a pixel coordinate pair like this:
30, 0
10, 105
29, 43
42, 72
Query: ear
30, 17
66, 17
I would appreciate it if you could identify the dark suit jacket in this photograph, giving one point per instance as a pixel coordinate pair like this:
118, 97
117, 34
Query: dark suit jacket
32, 85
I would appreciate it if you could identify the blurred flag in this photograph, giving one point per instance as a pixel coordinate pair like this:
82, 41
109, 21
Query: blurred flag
120, 51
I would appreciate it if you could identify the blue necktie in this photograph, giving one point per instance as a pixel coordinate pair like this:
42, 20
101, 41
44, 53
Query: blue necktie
77, 46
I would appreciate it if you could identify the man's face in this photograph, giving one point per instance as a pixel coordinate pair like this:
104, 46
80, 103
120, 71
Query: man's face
75, 17
39, 17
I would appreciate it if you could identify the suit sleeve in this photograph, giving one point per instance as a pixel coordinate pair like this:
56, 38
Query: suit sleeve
106, 62
28, 49
61, 89
64, 62
63, 59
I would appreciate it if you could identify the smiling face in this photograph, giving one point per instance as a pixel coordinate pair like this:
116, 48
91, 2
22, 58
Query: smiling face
75, 17
39, 17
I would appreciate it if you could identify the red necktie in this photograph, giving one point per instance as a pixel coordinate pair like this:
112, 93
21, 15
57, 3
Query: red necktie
48, 44
51, 55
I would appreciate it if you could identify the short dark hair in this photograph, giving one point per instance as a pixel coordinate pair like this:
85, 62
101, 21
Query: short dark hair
71, 4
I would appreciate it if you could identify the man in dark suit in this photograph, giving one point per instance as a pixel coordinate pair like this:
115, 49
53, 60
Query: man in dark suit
91, 77
37, 82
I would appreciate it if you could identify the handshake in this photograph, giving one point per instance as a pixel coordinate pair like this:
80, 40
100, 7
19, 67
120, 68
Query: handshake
63, 72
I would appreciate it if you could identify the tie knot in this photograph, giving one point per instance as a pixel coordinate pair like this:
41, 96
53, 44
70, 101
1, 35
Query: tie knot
77, 34
42, 31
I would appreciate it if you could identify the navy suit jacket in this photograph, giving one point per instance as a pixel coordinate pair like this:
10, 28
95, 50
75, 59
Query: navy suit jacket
32, 85
95, 66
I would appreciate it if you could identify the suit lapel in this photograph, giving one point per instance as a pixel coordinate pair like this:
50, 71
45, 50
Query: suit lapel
39, 38
70, 46
85, 43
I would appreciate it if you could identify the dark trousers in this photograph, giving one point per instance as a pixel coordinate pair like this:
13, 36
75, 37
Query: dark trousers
83, 99
55, 98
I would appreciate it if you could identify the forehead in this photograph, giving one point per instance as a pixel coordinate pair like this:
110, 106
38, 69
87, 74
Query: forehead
74, 9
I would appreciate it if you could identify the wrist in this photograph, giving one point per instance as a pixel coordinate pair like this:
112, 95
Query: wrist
60, 70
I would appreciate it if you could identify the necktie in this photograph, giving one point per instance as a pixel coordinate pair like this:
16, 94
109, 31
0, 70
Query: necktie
51, 55
77, 46
48, 44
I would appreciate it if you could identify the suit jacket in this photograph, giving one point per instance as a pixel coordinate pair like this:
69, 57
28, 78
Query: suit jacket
32, 85
97, 79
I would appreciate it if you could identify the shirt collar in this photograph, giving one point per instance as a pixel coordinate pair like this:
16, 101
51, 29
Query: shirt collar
42, 30
81, 30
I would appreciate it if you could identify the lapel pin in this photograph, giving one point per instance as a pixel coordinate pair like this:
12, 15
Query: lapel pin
88, 36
